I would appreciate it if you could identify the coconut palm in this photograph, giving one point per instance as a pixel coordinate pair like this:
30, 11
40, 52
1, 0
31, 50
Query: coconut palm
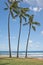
23, 15
31, 24
10, 6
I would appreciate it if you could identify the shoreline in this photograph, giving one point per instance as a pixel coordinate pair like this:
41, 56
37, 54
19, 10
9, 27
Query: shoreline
7, 56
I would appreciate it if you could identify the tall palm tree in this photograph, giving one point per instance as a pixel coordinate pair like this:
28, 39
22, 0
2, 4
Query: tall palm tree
31, 24
21, 15
10, 6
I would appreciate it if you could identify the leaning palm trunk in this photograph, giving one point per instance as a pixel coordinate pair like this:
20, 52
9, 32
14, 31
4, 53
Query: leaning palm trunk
19, 39
27, 41
9, 35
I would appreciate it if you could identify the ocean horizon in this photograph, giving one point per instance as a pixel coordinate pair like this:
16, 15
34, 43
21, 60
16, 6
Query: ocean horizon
32, 54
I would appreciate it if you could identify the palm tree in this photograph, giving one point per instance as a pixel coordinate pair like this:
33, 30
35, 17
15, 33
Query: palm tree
21, 15
10, 6
31, 25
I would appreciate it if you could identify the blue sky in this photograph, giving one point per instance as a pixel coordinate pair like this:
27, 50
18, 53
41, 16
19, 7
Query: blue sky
36, 38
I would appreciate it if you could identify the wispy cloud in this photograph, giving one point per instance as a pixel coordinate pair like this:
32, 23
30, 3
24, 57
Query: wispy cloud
36, 9
35, 5
30, 41
31, 2
40, 3
42, 32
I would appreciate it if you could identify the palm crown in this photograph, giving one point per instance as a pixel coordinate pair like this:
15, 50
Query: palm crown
32, 23
23, 13
13, 8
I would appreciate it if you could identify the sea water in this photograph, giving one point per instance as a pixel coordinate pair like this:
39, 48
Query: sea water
30, 54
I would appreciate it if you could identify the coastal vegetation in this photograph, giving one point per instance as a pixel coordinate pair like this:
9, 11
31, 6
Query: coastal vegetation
20, 61
16, 11
31, 23
22, 15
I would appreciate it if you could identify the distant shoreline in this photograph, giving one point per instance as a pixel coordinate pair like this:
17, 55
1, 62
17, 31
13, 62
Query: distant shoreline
20, 56
7, 56
30, 54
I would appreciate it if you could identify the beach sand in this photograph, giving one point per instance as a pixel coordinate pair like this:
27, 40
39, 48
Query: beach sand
7, 56
1, 56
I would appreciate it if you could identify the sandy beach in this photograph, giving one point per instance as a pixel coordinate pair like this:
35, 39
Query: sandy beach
6, 56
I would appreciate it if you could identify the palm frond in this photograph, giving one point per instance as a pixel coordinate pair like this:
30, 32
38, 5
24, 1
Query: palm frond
15, 16
24, 10
33, 27
5, 8
7, 4
15, 4
16, 11
25, 24
36, 23
26, 15
12, 14
32, 15
24, 18
10, 2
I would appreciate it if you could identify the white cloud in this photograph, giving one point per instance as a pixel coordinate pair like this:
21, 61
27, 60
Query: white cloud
40, 3
30, 2
35, 2
35, 5
36, 9
42, 32
30, 41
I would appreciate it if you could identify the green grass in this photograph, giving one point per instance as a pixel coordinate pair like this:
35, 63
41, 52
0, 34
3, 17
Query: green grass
20, 61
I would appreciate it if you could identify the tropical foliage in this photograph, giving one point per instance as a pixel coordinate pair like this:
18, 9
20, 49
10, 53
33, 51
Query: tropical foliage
32, 25
16, 11
22, 15
12, 7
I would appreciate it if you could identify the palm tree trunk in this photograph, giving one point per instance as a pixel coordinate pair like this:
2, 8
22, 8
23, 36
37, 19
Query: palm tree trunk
9, 35
19, 39
27, 41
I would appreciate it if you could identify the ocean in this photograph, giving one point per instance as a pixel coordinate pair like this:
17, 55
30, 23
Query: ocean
30, 54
